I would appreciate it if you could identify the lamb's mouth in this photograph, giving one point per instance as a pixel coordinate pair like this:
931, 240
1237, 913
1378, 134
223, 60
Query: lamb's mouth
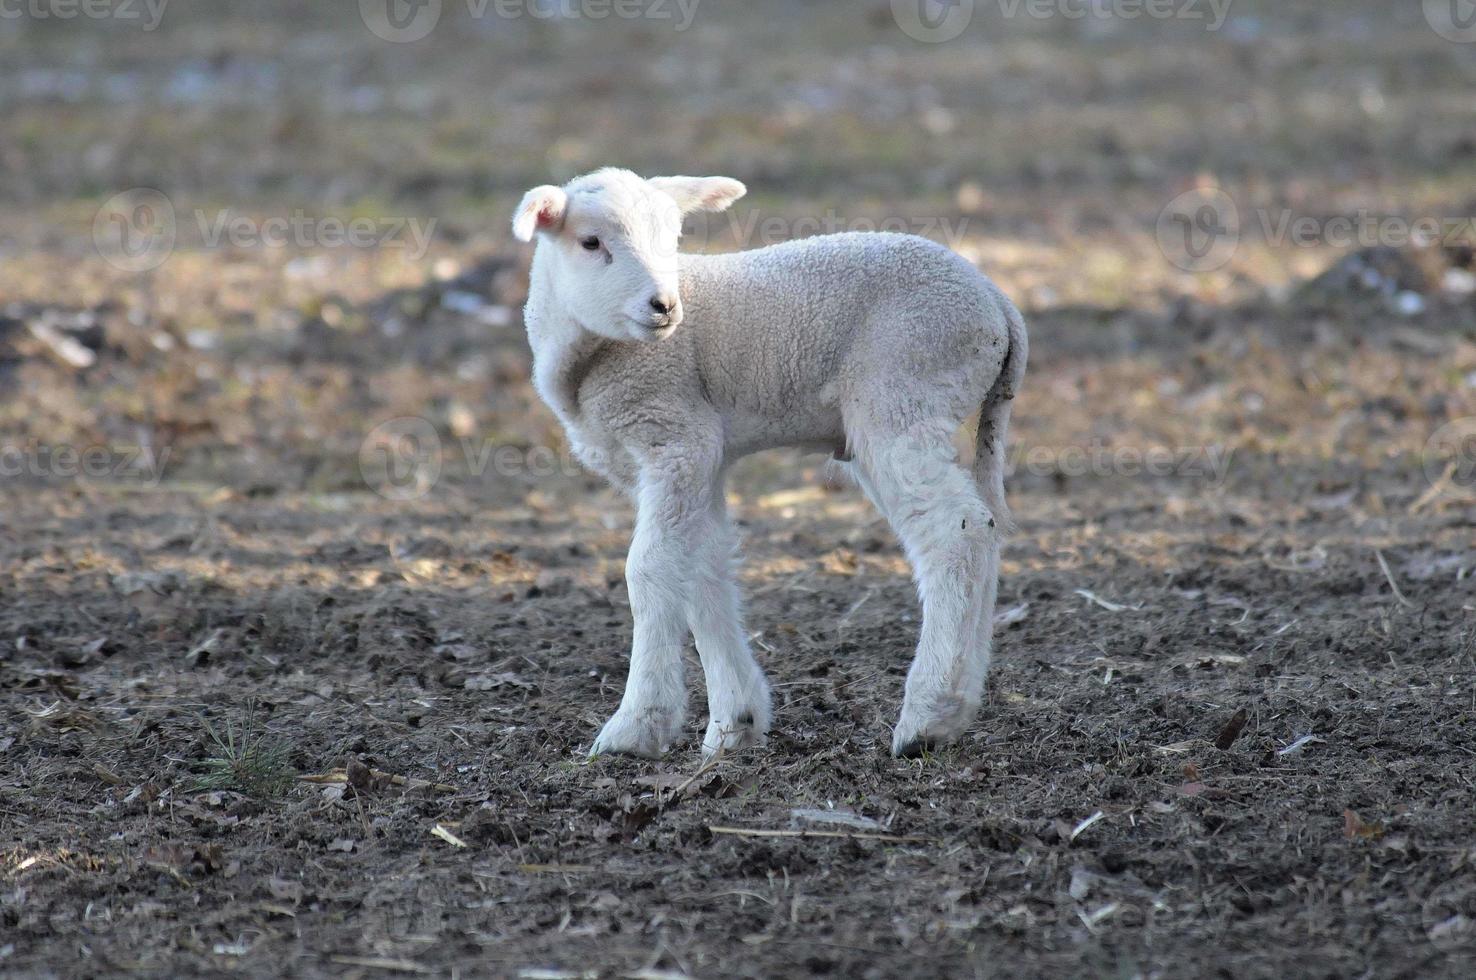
657, 330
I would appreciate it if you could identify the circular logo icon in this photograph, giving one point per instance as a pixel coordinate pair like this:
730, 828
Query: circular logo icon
1449, 914
1199, 231
401, 459
135, 231
400, 21
1450, 456
1454, 20
921, 462
933, 21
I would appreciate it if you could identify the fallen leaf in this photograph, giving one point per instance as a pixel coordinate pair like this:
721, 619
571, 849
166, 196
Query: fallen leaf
1355, 828
1231, 731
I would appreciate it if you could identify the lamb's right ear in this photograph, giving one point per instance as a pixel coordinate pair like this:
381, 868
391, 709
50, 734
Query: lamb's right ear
542, 209
700, 193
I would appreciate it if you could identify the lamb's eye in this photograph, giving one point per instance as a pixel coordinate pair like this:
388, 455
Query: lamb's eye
590, 244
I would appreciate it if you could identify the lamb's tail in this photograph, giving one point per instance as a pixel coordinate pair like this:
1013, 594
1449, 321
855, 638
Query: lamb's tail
994, 421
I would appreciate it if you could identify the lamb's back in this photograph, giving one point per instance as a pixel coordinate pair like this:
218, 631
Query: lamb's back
774, 327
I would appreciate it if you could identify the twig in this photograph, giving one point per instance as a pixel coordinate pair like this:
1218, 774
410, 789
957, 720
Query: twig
1301, 744
853, 835
845, 620
1097, 600
380, 963
1390, 577
708, 765
1082, 827
1437, 489
447, 836
339, 777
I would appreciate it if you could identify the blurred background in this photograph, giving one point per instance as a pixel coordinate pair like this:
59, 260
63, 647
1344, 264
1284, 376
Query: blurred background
1050, 145
266, 434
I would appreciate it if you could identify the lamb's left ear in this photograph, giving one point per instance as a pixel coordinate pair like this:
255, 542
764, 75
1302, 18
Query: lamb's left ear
542, 209
700, 193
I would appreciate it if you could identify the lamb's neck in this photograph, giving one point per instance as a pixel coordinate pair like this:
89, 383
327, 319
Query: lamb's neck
561, 348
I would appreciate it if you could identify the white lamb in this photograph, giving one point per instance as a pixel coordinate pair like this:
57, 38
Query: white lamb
872, 347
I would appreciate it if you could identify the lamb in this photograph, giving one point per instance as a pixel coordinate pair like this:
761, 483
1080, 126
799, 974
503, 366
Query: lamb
873, 347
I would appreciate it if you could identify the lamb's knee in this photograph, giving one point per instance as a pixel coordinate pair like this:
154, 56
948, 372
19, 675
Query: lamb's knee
954, 533
653, 580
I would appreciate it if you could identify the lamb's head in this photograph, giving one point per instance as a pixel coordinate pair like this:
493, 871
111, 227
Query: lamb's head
611, 239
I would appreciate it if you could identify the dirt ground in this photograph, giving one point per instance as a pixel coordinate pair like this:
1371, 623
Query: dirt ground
298, 679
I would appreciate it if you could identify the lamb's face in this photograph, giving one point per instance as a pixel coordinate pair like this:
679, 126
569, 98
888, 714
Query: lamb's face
618, 263
612, 238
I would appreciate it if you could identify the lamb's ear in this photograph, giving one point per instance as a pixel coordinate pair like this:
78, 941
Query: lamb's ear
700, 193
542, 209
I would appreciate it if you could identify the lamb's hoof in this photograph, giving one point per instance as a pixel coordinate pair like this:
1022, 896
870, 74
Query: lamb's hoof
919, 732
647, 734
912, 748
731, 736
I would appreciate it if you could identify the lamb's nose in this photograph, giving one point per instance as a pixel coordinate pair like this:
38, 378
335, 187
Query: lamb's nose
663, 305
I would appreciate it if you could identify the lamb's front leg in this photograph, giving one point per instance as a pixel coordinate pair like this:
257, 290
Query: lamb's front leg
658, 575
738, 704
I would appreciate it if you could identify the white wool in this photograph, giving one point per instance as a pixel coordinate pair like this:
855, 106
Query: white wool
665, 368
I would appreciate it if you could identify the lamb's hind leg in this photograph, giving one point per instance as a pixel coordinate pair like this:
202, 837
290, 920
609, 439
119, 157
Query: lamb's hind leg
949, 535
739, 711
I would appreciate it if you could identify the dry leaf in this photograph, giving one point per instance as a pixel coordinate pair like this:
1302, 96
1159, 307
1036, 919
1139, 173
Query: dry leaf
1231, 731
